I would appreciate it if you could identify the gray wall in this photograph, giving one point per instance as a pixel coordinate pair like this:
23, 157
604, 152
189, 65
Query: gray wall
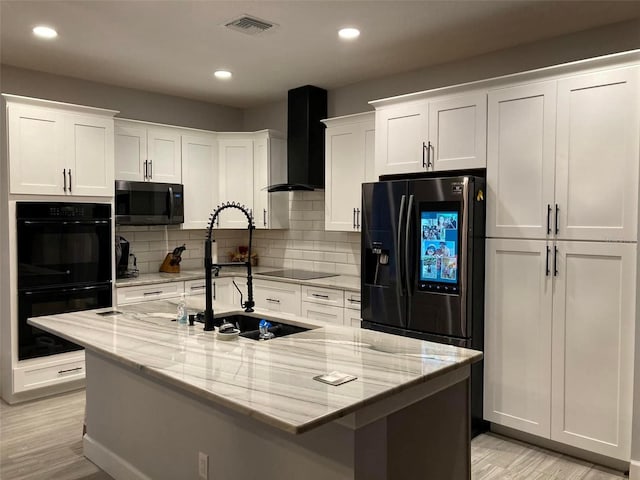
354, 98
135, 104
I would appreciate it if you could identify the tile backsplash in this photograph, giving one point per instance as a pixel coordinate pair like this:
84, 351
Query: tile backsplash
305, 245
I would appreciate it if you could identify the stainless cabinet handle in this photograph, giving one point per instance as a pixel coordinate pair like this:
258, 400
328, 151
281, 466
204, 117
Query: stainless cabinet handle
352, 300
555, 261
357, 219
429, 162
273, 300
64, 176
60, 372
264, 216
198, 287
70, 179
214, 290
317, 295
546, 263
424, 147
146, 174
157, 292
150, 169
548, 219
354, 218
557, 226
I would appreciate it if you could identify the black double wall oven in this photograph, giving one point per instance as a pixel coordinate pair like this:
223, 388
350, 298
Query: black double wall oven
64, 265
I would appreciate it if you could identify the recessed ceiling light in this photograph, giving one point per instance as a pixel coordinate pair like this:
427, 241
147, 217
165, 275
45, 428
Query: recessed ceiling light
222, 74
349, 33
43, 31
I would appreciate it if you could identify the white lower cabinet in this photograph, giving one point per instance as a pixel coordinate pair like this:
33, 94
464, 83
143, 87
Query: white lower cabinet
324, 313
559, 340
352, 315
223, 290
42, 374
279, 297
145, 293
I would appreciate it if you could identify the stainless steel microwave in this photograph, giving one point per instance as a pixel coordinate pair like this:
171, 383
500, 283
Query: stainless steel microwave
148, 203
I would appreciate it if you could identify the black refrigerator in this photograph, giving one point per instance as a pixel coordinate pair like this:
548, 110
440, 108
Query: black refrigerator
423, 245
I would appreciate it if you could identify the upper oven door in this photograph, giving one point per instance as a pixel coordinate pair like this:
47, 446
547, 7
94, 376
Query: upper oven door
63, 252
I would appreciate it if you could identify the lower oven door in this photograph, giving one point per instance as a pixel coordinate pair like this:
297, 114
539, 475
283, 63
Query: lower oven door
33, 342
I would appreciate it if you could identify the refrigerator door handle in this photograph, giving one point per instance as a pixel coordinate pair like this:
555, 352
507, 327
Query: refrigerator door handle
398, 240
407, 260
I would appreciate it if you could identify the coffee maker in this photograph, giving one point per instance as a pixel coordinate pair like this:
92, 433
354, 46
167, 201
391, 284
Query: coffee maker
125, 261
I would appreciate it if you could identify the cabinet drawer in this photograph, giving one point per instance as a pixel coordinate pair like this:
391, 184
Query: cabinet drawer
326, 296
194, 287
149, 292
277, 296
49, 373
352, 300
324, 313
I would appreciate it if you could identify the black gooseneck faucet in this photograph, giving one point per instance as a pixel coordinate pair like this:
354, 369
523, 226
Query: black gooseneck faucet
209, 265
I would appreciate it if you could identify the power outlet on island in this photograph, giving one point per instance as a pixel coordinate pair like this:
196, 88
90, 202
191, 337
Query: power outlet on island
203, 466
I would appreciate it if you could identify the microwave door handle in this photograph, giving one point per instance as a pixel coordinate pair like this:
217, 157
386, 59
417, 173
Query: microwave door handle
399, 272
170, 204
407, 252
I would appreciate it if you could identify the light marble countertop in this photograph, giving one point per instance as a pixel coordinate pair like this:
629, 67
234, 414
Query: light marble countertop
271, 381
343, 282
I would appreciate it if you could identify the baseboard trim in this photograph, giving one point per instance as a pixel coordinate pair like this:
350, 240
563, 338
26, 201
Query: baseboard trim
634, 470
108, 461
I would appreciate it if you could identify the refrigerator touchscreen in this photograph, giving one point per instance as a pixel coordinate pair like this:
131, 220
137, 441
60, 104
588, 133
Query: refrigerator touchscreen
439, 246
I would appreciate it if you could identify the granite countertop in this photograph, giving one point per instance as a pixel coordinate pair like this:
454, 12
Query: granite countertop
271, 381
343, 282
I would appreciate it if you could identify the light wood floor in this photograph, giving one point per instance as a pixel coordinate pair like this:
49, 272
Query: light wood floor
42, 440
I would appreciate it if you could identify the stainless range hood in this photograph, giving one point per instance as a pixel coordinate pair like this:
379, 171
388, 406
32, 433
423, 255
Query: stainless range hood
305, 140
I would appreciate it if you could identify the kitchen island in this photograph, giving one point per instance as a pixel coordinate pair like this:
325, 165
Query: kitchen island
161, 397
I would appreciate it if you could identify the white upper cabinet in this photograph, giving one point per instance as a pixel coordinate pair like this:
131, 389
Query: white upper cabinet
521, 161
593, 346
597, 155
436, 134
349, 161
236, 178
59, 149
200, 169
270, 210
146, 152
458, 133
401, 136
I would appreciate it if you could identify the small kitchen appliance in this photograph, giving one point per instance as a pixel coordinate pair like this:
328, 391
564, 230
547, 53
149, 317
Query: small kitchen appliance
149, 203
125, 260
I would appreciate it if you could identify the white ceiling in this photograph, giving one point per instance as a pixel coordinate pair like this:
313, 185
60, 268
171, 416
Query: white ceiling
174, 46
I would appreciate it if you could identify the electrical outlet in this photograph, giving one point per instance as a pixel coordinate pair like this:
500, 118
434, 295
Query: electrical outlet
203, 465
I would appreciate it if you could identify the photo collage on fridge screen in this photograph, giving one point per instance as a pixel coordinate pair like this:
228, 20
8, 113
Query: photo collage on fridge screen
439, 246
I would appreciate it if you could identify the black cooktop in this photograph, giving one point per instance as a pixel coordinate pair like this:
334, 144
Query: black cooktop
297, 274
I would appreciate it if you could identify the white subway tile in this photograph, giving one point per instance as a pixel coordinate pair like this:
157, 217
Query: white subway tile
313, 235
294, 235
345, 269
344, 247
293, 254
318, 225
312, 255
300, 225
334, 257
276, 252
298, 205
302, 264
148, 237
335, 236
297, 215
324, 246
318, 205
353, 237
324, 267
303, 245
143, 267
314, 215
313, 195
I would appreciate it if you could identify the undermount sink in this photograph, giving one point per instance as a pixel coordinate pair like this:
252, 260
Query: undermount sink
248, 326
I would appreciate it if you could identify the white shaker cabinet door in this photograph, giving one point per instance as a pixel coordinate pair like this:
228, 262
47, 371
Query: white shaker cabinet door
597, 155
89, 155
458, 132
517, 364
200, 178
130, 151
593, 343
163, 152
236, 180
401, 136
520, 161
36, 150
344, 173
270, 210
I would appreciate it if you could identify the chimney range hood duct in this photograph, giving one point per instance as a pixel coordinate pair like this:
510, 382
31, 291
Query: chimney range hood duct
305, 139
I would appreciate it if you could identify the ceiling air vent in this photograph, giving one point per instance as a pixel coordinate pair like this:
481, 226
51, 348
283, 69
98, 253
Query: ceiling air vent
249, 25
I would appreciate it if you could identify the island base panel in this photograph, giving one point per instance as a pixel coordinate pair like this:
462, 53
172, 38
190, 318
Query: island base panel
139, 428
